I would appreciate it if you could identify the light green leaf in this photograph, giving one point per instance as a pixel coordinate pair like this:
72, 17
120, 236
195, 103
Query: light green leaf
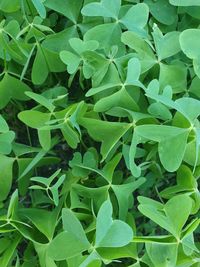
107, 35
111, 134
172, 143
3, 125
34, 118
189, 41
11, 87
168, 216
68, 8
44, 220
72, 225
66, 245
6, 140
102, 88
167, 13
136, 18
10, 251
145, 52
41, 100
185, 2
123, 193
45, 139
119, 99
167, 45
9, 5
104, 8
70, 135
174, 75
71, 60
133, 72
172, 210
32, 163
160, 111
81, 46
162, 255
6, 175
109, 232
38, 4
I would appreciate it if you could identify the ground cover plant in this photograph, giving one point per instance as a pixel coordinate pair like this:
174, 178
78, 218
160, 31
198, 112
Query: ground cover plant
99, 133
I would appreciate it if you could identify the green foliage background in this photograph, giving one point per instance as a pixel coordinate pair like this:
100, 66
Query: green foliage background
99, 133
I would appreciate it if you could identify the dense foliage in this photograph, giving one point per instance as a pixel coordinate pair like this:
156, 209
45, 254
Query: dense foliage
99, 133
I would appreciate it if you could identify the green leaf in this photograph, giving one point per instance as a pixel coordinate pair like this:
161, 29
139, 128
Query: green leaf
109, 168
144, 50
168, 216
107, 35
9, 5
71, 60
172, 143
70, 135
174, 75
135, 170
66, 7
102, 88
81, 46
160, 111
167, 13
6, 175
136, 18
12, 88
185, 2
189, 41
10, 251
13, 205
104, 8
162, 255
50, 62
44, 220
133, 73
113, 131
118, 99
45, 139
93, 260
109, 232
6, 140
34, 118
41, 100
167, 45
172, 207
123, 193
66, 245
185, 182
39, 75
3, 125
55, 189
33, 162
72, 225
38, 4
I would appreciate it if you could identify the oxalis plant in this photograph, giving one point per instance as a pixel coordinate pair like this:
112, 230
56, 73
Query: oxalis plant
99, 133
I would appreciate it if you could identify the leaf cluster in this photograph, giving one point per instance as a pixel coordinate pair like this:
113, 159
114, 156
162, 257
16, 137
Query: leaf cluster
99, 133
